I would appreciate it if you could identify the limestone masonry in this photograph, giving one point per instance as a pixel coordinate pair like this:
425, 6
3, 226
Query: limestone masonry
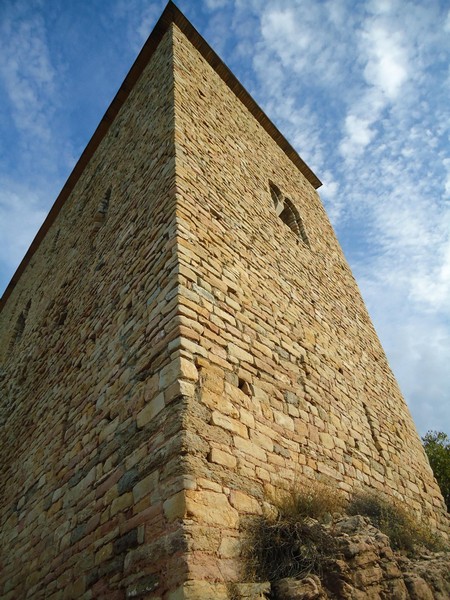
184, 337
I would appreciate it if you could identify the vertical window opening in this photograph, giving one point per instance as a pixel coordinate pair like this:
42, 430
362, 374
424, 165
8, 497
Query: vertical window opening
104, 204
288, 213
277, 198
20, 324
101, 214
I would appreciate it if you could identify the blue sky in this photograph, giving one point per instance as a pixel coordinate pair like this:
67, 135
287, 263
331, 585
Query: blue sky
360, 89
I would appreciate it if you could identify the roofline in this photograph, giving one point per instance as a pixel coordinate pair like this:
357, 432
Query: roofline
171, 14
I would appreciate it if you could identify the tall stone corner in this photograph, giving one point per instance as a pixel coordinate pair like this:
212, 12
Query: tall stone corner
183, 341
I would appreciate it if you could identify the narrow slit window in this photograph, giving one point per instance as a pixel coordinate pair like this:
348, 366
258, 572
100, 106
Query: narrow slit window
288, 213
100, 216
277, 198
20, 325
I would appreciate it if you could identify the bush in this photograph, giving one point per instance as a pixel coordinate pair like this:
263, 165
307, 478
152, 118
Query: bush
314, 500
404, 531
286, 543
291, 542
437, 448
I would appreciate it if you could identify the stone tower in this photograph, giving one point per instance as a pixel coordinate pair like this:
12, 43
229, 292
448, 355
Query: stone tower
183, 337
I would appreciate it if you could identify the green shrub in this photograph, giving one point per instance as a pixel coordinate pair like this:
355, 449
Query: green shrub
437, 448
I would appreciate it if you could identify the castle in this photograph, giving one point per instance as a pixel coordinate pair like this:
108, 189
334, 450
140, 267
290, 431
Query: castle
184, 337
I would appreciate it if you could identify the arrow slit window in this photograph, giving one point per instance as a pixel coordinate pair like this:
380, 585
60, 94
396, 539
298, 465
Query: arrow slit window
288, 213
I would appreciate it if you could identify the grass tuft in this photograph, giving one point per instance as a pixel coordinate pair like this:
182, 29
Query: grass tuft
404, 531
286, 543
314, 500
291, 541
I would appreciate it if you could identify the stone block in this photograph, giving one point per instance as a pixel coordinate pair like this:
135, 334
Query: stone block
229, 423
326, 440
175, 507
230, 547
211, 508
222, 458
150, 410
283, 420
145, 487
239, 353
244, 503
104, 553
177, 389
250, 448
121, 503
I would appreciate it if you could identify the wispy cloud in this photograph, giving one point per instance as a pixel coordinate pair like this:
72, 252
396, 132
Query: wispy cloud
360, 89
27, 74
137, 18
215, 4
22, 213
388, 64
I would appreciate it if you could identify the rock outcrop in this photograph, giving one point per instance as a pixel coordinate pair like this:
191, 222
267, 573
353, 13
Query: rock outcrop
364, 567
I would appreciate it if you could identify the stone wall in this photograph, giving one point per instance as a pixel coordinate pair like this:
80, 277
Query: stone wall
293, 382
174, 353
91, 438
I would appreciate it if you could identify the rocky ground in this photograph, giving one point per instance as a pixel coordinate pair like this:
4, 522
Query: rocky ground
364, 567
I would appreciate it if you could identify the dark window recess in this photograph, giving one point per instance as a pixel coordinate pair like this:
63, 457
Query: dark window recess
288, 213
20, 325
104, 204
100, 215
277, 198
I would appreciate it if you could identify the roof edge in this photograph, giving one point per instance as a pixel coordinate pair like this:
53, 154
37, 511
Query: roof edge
171, 14
239, 90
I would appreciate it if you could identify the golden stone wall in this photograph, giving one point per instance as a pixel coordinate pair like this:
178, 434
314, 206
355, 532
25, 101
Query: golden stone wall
293, 382
174, 352
92, 441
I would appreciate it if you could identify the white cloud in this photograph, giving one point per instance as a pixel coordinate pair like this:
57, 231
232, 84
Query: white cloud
447, 22
387, 65
329, 192
358, 135
306, 42
361, 90
137, 18
27, 74
418, 349
22, 213
446, 164
431, 284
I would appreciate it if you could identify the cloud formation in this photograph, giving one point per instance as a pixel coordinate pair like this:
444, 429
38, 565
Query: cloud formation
360, 89
27, 74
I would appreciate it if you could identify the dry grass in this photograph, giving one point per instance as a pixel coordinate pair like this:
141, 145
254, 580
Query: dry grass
286, 543
404, 531
291, 542
313, 499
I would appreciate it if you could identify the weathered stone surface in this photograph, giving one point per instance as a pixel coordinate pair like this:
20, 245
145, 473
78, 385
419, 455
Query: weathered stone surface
175, 507
150, 410
308, 588
363, 566
222, 458
244, 503
211, 508
174, 351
